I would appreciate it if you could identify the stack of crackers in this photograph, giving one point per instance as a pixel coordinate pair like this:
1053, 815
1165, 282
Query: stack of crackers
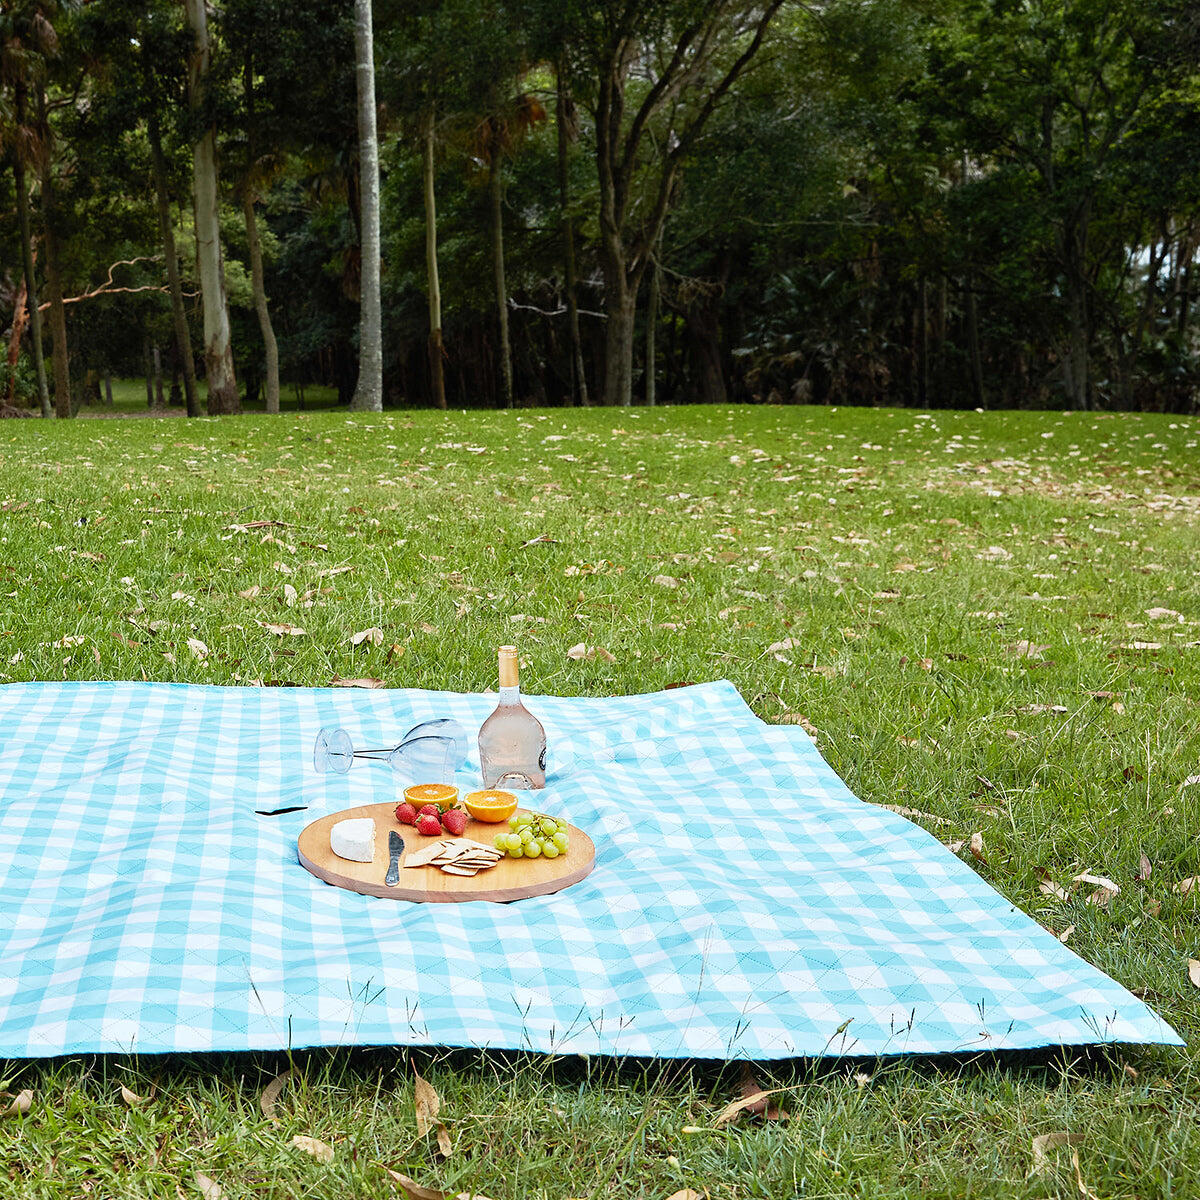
456, 856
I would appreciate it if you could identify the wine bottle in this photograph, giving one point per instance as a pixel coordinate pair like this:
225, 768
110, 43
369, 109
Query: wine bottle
512, 742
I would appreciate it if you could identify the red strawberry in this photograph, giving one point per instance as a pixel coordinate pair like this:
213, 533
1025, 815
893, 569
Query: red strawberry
455, 821
428, 825
429, 810
406, 814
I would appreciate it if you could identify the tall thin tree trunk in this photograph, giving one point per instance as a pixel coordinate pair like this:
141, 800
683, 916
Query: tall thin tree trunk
496, 186
54, 289
108, 400
620, 307
20, 318
923, 335
651, 330
166, 229
218, 348
156, 355
562, 122
260, 301
257, 286
368, 394
35, 315
437, 372
149, 372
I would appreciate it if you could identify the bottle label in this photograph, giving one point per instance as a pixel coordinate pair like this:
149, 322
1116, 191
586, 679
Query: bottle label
542, 759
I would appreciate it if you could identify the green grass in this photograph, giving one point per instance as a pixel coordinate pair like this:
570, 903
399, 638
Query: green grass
906, 556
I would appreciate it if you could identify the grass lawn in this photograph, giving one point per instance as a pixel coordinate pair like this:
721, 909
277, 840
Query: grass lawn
993, 620
129, 399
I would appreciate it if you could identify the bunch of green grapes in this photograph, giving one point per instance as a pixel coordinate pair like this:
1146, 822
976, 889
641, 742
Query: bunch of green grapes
533, 835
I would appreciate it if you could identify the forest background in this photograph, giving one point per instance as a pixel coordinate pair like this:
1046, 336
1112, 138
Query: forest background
944, 204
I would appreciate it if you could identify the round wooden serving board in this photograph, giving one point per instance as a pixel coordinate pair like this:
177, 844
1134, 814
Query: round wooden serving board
509, 879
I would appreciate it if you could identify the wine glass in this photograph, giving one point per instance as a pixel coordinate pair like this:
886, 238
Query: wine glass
429, 752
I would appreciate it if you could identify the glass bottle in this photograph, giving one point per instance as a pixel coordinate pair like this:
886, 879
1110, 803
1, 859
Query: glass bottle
512, 742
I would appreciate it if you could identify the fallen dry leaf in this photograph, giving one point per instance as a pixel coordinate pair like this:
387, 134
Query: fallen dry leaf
210, 1189
1144, 867
132, 1098
1024, 649
270, 1095
786, 644
582, 651
1194, 971
1049, 888
315, 1147
753, 1099
685, 1194
1085, 1192
22, 1102
427, 1103
798, 719
667, 581
283, 630
975, 845
338, 681
198, 648
1066, 934
374, 635
1105, 888
445, 1146
1185, 886
290, 596
250, 592
916, 812
418, 1191
1045, 1142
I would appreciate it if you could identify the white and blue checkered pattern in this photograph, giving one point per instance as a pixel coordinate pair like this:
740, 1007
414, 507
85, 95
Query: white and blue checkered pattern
145, 907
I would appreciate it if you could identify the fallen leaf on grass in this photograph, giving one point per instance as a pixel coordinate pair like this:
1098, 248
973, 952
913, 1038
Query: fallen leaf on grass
916, 812
1085, 1192
1185, 886
315, 1147
338, 681
1105, 888
22, 1102
798, 719
290, 595
685, 1194
581, 651
1049, 888
1141, 645
1066, 934
270, 1095
210, 1189
1194, 971
427, 1102
418, 1191
374, 635
754, 1100
975, 845
283, 630
1144, 867
133, 1099
250, 592
198, 648
1025, 649
786, 644
667, 581
445, 1146
1045, 1142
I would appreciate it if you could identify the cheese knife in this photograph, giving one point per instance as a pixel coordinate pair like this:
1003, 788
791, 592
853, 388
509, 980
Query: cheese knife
395, 849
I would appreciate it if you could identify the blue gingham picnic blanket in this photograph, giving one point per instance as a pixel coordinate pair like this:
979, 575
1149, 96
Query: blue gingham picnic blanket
146, 907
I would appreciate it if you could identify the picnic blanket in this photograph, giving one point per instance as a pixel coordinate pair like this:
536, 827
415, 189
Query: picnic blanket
146, 907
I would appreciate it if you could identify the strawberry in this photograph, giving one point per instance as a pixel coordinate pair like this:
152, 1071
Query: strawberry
428, 825
406, 814
455, 821
429, 810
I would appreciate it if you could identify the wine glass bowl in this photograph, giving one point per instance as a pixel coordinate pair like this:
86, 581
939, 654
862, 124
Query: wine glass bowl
429, 753
334, 751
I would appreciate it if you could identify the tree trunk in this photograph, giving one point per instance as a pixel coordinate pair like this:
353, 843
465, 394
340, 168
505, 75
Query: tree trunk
156, 355
260, 301
108, 400
496, 188
54, 289
35, 315
368, 394
620, 308
149, 372
437, 372
704, 334
651, 330
20, 317
561, 119
166, 229
218, 348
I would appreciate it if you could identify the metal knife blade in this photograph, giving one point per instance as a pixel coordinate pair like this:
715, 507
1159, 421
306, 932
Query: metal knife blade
395, 849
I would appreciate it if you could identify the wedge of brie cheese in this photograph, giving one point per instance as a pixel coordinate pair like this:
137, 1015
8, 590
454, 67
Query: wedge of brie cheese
354, 839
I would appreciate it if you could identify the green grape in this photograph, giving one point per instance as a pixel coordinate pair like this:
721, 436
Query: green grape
515, 852
560, 840
500, 841
527, 835
514, 822
532, 850
523, 820
550, 850
513, 841
548, 826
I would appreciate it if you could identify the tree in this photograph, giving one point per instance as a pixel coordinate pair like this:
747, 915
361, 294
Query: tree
218, 349
368, 395
677, 50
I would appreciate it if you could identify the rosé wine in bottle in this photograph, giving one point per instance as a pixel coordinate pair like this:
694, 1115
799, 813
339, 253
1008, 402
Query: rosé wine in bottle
512, 742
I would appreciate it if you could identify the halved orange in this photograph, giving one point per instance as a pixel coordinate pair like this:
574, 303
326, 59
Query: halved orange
491, 806
444, 795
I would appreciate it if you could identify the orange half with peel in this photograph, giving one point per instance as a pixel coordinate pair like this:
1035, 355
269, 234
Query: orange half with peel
491, 806
444, 795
